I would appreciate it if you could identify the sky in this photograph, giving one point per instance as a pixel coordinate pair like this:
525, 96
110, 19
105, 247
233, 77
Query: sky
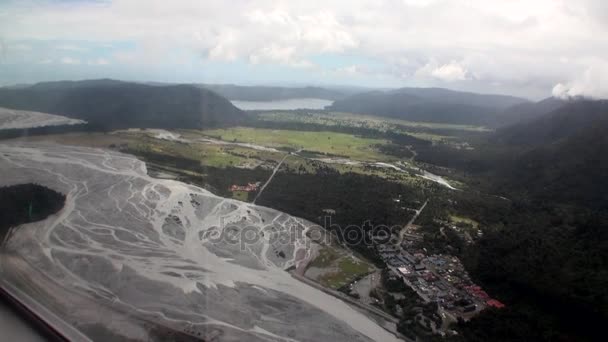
532, 48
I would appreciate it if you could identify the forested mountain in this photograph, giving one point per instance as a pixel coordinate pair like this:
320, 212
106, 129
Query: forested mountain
267, 93
563, 157
560, 155
428, 104
116, 104
546, 254
572, 170
527, 111
462, 97
568, 119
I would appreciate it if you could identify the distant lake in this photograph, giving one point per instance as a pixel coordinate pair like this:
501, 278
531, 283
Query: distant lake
289, 104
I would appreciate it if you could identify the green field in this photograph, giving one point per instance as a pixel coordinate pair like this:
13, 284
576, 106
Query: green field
202, 154
208, 154
341, 267
360, 120
329, 143
348, 270
325, 258
465, 220
240, 195
226, 156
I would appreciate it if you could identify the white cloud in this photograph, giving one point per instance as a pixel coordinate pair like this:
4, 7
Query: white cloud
593, 83
450, 72
69, 60
519, 44
68, 47
20, 47
45, 61
288, 39
420, 3
350, 70
98, 61
285, 55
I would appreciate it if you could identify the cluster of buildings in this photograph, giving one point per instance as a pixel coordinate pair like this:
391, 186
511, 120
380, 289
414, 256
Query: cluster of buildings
464, 234
437, 278
248, 188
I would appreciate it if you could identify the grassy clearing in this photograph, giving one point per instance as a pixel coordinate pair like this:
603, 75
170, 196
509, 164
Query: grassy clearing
220, 156
347, 270
435, 125
241, 195
340, 267
325, 258
465, 220
431, 137
330, 143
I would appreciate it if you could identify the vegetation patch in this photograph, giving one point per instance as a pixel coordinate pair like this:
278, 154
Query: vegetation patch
329, 143
347, 270
325, 258
465, 220
241, 195
335, 267
359, 120
26, 203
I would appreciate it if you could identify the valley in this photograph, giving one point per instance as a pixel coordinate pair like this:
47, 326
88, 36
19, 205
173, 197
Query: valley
304, 171
400, 222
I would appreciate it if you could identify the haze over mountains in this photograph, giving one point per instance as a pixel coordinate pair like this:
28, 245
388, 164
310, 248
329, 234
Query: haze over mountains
269, 93
564, 154
542, 124
527, 111
429, 105
112, 103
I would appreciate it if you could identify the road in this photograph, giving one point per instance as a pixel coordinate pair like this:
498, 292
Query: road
271, 176
411, 221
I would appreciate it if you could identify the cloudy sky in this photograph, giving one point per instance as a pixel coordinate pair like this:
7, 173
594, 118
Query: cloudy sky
531, 48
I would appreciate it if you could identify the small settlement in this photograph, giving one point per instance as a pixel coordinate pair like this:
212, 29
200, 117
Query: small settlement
436, 278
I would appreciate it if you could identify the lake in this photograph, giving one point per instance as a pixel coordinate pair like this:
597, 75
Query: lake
289, 104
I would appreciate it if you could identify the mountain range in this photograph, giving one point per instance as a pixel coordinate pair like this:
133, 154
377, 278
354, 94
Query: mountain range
269, 93
429, 105
116, 104
561, 155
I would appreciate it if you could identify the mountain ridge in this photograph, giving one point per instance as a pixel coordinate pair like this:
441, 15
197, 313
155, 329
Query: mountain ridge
428, 105
119, 104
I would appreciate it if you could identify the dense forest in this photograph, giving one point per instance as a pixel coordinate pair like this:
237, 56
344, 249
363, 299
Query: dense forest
395, 137
428, 105
545, 249
353, 199
115, 104
547, 261
26, 203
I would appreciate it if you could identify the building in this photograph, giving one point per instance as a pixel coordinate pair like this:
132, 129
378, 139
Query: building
495, 303
248, 188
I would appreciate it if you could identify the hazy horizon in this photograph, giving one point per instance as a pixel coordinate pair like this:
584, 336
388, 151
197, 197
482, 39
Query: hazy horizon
521, 48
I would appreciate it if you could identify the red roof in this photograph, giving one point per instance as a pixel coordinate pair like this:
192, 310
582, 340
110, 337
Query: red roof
249, 187
495, 303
